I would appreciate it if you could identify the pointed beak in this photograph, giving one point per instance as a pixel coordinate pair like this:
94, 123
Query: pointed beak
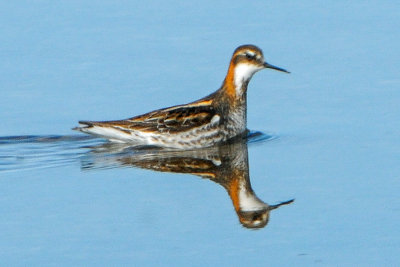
272, 207
269, 66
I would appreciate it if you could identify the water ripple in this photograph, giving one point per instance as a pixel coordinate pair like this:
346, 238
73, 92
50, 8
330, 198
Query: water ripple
47, 151
34, 152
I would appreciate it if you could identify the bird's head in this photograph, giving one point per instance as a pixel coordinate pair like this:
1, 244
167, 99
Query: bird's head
246, 60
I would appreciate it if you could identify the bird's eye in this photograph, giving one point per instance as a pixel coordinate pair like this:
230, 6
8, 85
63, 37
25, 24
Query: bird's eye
250, 56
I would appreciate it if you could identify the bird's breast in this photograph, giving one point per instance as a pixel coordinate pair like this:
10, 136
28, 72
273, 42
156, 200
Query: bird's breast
236, 121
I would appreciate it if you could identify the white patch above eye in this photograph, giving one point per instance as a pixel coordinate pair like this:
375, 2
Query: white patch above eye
243, 73
250, 53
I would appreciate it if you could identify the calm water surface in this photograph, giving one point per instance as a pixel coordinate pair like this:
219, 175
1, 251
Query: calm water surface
331, 144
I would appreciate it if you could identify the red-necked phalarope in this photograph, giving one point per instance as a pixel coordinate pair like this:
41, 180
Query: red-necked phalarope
213, 119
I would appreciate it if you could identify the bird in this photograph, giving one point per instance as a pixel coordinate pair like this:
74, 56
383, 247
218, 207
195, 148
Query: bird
214, 119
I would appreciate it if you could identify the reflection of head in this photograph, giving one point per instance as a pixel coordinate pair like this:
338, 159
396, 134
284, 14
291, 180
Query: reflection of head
254, 219
259, 218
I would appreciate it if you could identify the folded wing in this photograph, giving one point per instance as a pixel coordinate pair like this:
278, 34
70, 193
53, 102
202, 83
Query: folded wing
169, 120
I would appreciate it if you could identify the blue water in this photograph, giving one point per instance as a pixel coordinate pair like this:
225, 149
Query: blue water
334, 122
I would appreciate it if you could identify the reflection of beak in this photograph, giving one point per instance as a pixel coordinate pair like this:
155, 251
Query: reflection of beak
269, 66
272, 207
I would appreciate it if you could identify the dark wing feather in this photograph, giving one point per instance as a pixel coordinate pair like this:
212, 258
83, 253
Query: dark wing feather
174, 119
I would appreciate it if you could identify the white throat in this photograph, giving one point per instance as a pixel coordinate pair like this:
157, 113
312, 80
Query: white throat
249, 201
243, 73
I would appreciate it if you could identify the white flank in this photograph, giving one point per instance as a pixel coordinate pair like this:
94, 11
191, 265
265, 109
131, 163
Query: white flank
108, 133
215, 120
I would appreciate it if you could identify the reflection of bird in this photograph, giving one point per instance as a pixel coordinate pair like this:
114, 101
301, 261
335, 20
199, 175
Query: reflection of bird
203, 123
225, 164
